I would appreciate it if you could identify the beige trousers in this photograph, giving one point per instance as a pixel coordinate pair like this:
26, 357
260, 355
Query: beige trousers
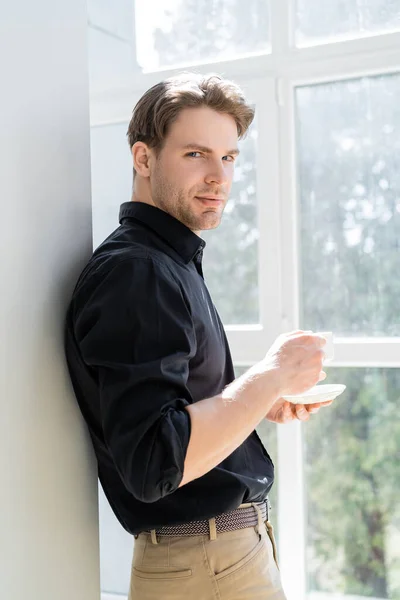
237, 565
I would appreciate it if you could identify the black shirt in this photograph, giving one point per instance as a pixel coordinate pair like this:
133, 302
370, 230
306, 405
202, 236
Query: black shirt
144, 340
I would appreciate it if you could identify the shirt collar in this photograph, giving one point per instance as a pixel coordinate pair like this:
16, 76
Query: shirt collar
176, 234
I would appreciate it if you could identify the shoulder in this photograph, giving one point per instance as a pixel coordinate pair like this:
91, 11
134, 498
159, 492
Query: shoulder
134, 260
128, 272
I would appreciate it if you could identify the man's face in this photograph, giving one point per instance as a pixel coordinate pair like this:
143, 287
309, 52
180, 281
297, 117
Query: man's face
192, 176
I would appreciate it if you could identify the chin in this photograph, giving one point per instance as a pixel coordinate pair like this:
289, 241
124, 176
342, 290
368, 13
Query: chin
206, 224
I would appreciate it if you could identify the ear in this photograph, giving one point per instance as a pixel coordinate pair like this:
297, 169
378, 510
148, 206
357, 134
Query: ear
141, 154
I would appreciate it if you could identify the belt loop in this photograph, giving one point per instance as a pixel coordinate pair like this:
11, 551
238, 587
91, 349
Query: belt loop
213, 529
153, 537
260, 519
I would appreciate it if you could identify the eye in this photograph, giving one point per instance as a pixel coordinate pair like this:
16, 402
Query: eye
229, 158
191, 154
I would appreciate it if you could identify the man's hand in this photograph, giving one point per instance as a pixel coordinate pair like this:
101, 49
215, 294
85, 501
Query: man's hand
296, 358
285, 412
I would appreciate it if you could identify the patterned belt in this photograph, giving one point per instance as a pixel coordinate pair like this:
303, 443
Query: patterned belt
240, 518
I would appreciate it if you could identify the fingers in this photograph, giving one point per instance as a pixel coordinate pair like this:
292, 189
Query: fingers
319, 404
298, 332
300, 356
309, 338
301, 412
287, 412
321, 341
314, 408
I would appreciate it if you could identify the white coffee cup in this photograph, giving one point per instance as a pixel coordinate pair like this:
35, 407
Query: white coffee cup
328, 348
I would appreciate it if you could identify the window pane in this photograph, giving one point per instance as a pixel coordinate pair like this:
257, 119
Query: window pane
349, 187
231, 255
318, 21
174, 32
353, 487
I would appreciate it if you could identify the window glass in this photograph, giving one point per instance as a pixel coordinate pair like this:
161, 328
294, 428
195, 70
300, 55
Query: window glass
348, 148
231, 255
318, 21
352, 488
175, 32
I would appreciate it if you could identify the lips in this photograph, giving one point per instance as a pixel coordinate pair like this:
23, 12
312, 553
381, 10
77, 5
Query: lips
216, 198
210, 200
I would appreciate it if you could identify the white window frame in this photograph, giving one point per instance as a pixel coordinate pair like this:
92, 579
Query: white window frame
270, 81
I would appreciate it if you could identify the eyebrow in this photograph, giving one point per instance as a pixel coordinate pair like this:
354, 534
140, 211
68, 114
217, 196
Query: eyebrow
206, 150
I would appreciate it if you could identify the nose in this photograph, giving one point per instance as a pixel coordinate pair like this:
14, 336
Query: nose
217, 174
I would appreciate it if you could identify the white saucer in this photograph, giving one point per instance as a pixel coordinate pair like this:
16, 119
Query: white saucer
318, 393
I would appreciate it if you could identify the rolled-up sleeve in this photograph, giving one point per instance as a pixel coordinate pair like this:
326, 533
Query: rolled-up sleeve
135, 331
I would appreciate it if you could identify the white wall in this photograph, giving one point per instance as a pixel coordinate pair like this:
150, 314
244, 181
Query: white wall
48, 489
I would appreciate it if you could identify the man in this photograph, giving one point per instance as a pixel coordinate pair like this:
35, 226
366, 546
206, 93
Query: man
173, 431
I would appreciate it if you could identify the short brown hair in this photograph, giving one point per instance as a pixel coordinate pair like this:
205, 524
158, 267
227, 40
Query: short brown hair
159, 107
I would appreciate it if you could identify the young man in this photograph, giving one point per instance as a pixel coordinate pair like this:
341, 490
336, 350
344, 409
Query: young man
174, 434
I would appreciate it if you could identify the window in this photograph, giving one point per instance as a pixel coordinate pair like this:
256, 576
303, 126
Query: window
309, 239
318, 21
176, 32
352, 488
346, 139
231, 257
348, 149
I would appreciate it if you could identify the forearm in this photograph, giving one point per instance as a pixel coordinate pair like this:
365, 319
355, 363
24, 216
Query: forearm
220, 424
